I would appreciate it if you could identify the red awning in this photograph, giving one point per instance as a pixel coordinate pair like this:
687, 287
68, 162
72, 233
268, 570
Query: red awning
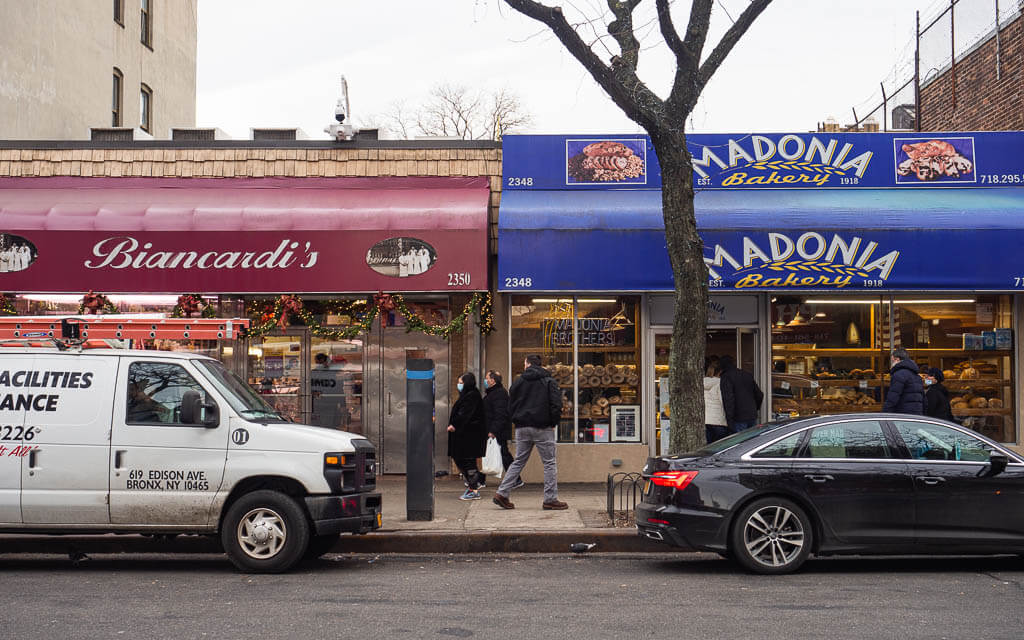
271, 235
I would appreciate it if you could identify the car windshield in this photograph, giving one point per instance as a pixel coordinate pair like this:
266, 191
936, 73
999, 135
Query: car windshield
239, 395
737, 438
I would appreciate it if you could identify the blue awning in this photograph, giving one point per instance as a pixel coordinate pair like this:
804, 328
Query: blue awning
868, 239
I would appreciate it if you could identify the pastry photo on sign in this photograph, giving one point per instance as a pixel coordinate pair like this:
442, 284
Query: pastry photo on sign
597, 161
930, 160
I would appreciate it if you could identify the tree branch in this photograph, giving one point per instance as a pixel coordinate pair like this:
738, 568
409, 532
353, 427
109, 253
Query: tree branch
729, 40
621, 28
619, 81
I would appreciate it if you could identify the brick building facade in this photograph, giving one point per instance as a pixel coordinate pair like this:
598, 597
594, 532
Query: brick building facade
971, 96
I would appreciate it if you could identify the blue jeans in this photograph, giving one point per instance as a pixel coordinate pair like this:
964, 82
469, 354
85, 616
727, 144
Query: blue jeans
526, 439
740, 426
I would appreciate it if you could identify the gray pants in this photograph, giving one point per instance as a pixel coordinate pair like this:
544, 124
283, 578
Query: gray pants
526, 439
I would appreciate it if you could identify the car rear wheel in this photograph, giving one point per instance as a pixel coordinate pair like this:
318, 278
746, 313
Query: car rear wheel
772, 536
265, 532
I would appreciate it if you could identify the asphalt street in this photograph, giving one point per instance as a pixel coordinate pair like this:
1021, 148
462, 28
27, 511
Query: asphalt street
589, 596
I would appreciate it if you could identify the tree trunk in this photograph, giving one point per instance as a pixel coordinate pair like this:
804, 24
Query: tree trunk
685, 251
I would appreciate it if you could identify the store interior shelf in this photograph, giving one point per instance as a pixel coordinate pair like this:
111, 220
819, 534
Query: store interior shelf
568, 350
982, 412
803, 350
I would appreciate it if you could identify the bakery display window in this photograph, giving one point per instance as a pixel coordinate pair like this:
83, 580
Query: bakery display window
831, 354
969, 338
590, 344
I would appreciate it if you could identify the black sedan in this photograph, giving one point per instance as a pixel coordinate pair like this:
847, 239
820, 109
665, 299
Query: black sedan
843, 484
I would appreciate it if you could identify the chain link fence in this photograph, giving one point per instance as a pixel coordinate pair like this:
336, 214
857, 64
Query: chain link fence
953, 31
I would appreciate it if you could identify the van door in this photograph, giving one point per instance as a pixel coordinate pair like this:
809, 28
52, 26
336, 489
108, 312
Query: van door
68, 401
162, 472
13, 439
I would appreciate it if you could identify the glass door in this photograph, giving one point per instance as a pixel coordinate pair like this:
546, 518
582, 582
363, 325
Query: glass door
739, 343
336, 384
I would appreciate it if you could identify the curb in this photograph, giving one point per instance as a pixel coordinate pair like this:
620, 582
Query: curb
607, 540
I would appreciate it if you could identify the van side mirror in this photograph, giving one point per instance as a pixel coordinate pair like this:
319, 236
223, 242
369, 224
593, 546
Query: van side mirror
195, 411
997, 463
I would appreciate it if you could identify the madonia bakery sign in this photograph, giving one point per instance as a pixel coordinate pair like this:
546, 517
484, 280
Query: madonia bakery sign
806, 260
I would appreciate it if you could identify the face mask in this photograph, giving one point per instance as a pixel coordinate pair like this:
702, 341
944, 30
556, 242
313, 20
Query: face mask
928, 382
487, 383
459, 386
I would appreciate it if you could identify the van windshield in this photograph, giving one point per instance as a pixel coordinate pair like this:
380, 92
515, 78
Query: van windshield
241, 396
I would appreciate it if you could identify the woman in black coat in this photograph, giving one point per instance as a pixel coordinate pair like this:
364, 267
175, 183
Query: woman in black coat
467, 434
936, 396
499, 419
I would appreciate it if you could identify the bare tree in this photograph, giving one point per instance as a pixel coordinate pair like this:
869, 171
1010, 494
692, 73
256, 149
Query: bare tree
664, 119
455, 111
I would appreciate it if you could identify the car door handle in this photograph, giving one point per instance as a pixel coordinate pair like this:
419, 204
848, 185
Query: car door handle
119, 459
33, 458
818, 479
931, 481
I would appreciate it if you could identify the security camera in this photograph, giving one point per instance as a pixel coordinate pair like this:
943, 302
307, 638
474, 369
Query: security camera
341, 131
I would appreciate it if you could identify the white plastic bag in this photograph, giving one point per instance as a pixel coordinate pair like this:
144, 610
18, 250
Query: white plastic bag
492, 459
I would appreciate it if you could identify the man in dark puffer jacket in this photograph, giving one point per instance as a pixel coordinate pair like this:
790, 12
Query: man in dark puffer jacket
906, 389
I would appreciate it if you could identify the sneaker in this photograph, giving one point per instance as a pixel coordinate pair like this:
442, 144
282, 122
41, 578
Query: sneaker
519, 484
555, 505
503, 502
470, 495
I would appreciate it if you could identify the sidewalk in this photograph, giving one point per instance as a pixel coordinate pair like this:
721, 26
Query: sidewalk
474, 526
480, 525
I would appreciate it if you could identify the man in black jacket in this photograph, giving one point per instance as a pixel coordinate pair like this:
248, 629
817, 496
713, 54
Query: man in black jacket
536, 404
741, 397
906, 389
499, 423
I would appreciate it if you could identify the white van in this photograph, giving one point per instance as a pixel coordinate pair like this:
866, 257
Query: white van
109, 440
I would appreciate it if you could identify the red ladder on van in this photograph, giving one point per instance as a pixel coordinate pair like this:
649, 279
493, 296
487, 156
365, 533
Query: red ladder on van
123, 327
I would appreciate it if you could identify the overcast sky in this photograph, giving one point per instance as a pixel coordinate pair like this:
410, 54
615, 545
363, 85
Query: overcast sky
270, 63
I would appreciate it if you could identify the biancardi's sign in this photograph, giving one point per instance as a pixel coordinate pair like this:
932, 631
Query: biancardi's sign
770, 161
326, 261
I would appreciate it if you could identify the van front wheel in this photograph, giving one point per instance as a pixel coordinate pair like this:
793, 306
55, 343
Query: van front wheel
265, 532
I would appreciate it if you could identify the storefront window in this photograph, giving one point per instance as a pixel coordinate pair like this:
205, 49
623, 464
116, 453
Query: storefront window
830, 354
604, 406
143, 305
275, 372
969, 339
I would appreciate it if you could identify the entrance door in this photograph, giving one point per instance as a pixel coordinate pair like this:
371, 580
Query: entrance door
384, 390
741, 343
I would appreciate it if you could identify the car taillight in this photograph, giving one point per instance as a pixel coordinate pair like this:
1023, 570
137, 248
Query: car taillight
674, 479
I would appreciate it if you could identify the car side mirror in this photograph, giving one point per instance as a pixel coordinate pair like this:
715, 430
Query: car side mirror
195, 411
997, 463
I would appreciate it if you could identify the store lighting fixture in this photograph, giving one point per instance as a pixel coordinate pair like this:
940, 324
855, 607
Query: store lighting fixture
820, 314
115, 298
569, 300
863, 301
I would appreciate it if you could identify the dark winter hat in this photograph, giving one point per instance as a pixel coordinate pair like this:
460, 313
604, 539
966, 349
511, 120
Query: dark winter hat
936, 373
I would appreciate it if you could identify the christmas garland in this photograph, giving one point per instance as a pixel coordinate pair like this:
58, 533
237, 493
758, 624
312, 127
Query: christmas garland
191, 303
96, 303
7, 305
288, 309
